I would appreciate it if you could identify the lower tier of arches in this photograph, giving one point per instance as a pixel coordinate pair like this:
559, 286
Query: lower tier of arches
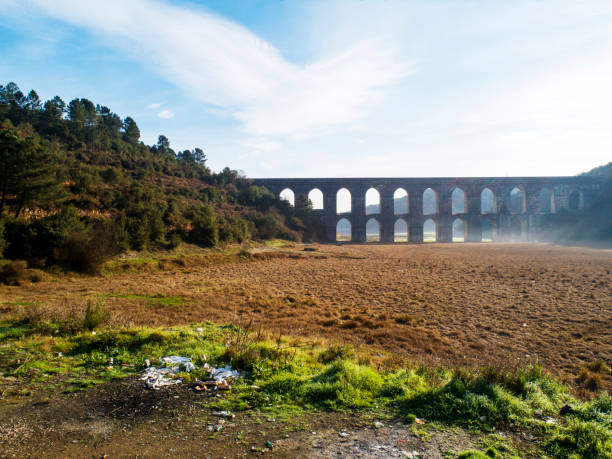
480, 228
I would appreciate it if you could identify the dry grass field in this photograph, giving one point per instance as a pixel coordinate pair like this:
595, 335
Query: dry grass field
454, 304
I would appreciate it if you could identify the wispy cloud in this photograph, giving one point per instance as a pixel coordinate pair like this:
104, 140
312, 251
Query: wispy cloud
223, 64
154, 106
166, 114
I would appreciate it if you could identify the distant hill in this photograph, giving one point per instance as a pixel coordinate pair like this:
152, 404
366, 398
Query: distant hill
601, 171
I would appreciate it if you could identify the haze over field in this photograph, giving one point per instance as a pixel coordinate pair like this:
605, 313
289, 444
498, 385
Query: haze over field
344, 88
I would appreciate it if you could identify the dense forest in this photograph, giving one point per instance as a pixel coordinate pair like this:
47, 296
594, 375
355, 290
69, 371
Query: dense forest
77, 185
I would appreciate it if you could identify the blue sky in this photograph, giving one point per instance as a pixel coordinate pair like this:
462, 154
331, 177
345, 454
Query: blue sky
342, 88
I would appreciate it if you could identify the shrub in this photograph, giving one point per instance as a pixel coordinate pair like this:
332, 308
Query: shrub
87, 251
95, 315
205, 230
234, 229
333, 353
13, 273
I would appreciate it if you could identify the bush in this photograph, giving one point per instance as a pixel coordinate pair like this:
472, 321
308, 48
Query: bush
95, 315
88, 250
205, 230
235, 229
13, 273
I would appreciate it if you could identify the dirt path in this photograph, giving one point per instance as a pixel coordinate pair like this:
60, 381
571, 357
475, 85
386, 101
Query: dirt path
456, 304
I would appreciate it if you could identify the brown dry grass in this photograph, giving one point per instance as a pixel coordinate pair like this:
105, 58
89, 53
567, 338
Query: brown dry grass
455, 304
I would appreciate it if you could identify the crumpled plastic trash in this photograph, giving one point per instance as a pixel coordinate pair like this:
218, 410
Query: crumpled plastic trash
176, 360
223, 414
158, 377
219, 379
225, 373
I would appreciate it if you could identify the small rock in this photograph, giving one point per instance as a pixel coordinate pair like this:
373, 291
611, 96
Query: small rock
566, 410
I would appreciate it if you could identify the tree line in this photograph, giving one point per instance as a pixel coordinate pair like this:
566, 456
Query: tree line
77, 171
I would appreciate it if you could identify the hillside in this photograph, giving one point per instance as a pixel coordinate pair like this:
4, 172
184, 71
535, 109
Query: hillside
76, 175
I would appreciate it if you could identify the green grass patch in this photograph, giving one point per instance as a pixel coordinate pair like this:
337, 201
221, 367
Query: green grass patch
292, 379
151, 300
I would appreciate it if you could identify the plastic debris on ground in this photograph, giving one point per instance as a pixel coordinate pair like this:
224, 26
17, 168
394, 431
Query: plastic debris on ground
156, 377
219, 380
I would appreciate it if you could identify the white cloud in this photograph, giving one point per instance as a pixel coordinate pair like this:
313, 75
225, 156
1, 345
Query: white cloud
166, 114
261, 147
154, 106
224, 64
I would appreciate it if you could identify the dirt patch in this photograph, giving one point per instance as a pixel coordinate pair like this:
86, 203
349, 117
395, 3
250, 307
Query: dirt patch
121, 419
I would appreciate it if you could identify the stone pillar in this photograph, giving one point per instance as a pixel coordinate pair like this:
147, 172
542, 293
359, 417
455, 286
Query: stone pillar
415, 214
474, 215
329, 213
502, 211
531, 222
387, 219
358, 217
444, 227
415, 228
444, 221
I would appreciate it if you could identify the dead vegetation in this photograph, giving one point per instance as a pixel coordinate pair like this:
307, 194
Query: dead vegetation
457, 305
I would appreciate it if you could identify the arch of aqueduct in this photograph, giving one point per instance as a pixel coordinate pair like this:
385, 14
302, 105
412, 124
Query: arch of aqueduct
504, 219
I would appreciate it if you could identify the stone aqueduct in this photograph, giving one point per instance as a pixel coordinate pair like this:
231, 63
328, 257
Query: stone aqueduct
504, 220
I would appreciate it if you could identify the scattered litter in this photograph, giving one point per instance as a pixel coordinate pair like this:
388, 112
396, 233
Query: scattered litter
411, 454
550, 420
219, 379
200, 330
156, 377
59, 354
419, 421
225, 373
268, 444
176, 360
343, 434
93, 332
224, 414
378, 424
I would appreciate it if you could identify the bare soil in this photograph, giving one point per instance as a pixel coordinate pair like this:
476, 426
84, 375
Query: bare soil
122, 419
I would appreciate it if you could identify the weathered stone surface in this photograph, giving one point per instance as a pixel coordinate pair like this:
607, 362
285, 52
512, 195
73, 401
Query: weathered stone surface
567, 193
